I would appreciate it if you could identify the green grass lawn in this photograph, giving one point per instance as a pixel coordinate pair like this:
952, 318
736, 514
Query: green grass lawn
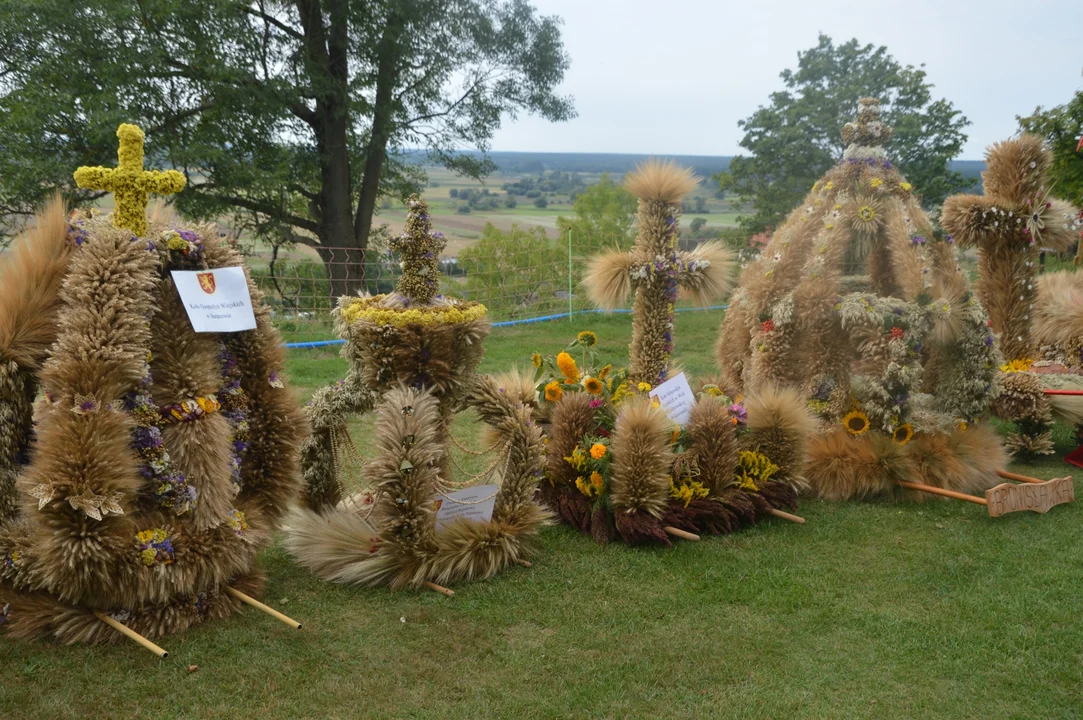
869, 611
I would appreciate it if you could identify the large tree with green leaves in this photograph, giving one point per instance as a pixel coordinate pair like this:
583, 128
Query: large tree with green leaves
1061, 127
295, 115
795, 138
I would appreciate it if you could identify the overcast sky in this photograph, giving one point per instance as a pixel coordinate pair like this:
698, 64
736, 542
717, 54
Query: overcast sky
675, 76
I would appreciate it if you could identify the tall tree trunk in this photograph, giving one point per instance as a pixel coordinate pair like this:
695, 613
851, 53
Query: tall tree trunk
382, 121
327, 60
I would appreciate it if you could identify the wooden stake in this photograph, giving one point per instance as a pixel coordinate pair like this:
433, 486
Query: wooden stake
125, 630
942, 491
1019, 478
524, 563
679, 533
787, 516
260, 606
439, 588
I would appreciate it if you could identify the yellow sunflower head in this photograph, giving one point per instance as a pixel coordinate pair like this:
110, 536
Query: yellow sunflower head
903, 433
593, 385
604, 372
536, 360
856, 422
1016, 366
553, 391
587, 338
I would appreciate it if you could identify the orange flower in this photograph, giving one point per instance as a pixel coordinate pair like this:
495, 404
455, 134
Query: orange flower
598, 451
553, 391
568, 368
597, 480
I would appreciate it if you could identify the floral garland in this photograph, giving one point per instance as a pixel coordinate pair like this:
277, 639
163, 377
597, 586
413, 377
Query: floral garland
155, 547
370, 310
169, 487
234, 408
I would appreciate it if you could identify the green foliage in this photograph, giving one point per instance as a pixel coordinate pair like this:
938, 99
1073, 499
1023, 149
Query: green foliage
294, 116
1061, 127
604, 215
515, 273
795, 139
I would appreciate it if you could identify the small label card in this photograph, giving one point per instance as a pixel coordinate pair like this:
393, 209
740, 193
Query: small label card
475, 503
676, 398
216, 300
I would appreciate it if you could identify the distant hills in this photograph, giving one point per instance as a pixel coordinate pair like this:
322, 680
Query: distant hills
531, 163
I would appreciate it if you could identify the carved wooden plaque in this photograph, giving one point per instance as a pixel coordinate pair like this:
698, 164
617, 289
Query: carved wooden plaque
1038, 497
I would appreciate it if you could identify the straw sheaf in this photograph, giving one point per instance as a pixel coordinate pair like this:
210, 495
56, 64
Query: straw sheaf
964, 461
1059, 309
706, 285
660, 180
779, 426
1009, 175
639, 480
842, 467
30, 280
572, 419
608, 279
714, 444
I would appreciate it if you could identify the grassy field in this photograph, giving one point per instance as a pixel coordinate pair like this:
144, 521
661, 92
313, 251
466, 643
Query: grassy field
868, 611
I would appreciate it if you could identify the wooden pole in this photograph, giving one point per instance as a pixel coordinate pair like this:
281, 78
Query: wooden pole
439, 588
260, 606
1019, 478
680, 533
942, 491
125, 630
787, 516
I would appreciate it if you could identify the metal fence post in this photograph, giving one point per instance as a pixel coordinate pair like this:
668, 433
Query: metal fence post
571, 311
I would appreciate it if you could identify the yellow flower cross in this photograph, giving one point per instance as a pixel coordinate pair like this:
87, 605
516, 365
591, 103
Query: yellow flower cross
129, 183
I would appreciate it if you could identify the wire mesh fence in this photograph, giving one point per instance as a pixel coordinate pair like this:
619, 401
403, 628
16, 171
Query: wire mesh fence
522, 276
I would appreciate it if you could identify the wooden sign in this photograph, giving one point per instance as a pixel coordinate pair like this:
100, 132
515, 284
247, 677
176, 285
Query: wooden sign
1038, 497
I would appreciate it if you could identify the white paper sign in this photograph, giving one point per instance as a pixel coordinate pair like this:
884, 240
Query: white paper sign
475, 503
676, 398
216, 300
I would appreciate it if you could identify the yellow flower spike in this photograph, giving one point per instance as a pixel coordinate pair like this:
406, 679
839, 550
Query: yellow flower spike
568, 368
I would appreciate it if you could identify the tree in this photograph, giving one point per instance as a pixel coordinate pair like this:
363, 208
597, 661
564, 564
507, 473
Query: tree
541, 202
511, 272
604, 215
697, 224
1061, 127
795, 139
293, 116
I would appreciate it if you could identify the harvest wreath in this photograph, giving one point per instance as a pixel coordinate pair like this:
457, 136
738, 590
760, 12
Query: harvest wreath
157, 461
413, 356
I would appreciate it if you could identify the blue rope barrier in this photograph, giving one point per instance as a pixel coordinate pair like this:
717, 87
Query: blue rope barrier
509, 323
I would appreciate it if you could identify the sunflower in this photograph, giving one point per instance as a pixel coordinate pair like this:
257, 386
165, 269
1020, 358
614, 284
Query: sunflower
568, 368
536, 360
598, 451
553, 391
604, 372
587, 338
593, 385
1015, 366
856, 422
903, 433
